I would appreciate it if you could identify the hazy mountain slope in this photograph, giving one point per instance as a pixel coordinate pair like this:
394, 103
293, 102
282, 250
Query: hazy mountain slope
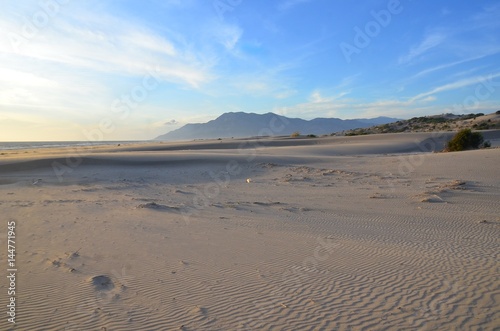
248, 124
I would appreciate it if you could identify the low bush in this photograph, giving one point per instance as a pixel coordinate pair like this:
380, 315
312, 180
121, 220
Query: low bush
465, 139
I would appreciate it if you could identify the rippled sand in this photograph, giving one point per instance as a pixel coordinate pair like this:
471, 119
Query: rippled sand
361, 233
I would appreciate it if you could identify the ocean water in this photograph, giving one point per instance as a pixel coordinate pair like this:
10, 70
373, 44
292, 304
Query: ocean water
50, 144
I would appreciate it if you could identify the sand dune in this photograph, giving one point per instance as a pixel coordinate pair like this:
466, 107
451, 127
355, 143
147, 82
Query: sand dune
338, 233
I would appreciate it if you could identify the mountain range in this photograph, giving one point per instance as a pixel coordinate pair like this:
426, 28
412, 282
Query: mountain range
240, 124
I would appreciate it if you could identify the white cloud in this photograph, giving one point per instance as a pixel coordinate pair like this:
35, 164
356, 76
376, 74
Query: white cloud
487, 18
28, 79
443, 66
457, 85
285, 5
317, 98
429, 99
284, 94
431, 41
68, 73
106, 44
272, 81
227, 35
418, 105
148, 42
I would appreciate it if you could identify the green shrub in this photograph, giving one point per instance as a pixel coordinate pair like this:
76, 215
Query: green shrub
358, 132
483, 126
486, 144
465, 139
312, 136
471, 115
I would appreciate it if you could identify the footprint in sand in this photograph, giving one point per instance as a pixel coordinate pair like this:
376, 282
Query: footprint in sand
199, 311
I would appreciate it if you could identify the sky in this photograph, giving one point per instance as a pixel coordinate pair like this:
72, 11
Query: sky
132, 70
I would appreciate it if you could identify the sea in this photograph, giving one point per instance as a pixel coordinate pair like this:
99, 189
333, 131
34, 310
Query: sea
11, 145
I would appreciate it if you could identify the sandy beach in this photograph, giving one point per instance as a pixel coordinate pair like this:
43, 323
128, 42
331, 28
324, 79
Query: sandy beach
338, 233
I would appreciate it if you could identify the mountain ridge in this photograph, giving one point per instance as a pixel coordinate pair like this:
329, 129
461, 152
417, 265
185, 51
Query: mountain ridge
241, 124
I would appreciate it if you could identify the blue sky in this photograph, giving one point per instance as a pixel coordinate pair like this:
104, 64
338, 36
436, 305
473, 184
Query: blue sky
119, 70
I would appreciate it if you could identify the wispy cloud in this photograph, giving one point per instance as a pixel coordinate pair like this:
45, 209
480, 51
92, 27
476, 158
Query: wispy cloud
288, 4
261, 84
431, 41
352, 108
260, 80
317, 98
455, 85
285, 94
449, 65
91, 53
78, 64
487, 18
420, 104
225, 34
132, 51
